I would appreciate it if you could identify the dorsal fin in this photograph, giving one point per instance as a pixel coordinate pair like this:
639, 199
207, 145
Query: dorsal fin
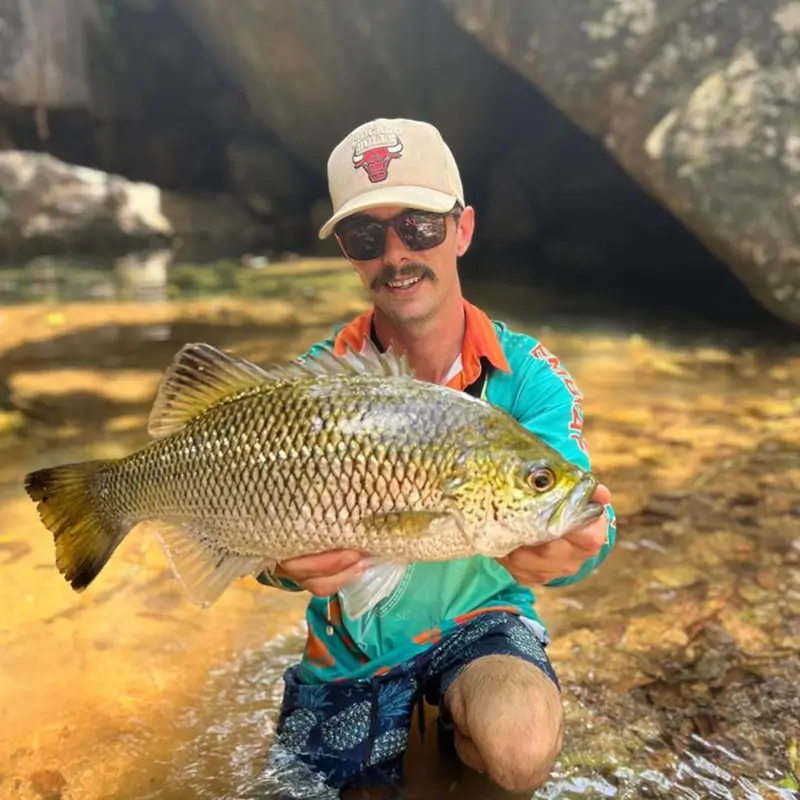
201, 376
370, 361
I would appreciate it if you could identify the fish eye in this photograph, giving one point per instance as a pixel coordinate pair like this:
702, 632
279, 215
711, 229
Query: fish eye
542, 479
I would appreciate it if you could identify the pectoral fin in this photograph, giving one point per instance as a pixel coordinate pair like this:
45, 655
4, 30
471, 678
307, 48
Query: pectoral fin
410, 524
204, 570
383, 576
375, 584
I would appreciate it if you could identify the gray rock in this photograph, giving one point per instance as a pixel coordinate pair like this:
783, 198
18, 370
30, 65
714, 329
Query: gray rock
43, 60
698, 100
314, 70
45, 202
48, 205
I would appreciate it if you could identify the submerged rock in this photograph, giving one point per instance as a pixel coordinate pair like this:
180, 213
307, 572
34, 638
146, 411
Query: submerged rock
697, 101
49, 205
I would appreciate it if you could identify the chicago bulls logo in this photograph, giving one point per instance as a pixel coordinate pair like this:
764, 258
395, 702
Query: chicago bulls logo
375, 157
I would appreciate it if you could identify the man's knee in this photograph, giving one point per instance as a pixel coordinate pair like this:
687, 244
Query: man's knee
523, 762
509, 721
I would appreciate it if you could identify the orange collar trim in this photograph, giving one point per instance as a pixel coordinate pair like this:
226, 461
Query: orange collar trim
480, 341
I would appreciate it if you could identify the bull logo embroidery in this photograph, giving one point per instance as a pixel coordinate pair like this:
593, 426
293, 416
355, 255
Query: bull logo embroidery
375, 160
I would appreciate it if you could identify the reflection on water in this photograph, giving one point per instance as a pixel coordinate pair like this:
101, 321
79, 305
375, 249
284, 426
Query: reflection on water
679, 658
157, 275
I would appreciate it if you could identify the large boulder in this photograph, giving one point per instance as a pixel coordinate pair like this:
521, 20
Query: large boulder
697, 101
313, 70
48, 205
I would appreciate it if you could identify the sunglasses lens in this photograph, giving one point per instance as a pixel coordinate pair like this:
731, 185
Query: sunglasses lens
363, 240
421, 230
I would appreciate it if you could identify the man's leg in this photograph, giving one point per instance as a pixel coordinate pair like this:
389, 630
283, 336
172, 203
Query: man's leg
342, 735
501, 696
508, 721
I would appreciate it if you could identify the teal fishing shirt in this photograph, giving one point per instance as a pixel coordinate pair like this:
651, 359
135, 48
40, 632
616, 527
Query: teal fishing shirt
519, 374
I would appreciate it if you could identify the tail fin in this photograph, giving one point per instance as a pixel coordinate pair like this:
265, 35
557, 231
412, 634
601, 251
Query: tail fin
84, 536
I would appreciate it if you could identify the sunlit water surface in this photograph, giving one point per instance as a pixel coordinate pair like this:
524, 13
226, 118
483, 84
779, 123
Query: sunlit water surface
679, 658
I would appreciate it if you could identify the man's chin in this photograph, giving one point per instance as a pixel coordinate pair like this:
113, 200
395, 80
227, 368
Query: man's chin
404, 310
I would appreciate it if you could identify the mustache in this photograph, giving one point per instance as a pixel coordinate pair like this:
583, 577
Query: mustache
390, 274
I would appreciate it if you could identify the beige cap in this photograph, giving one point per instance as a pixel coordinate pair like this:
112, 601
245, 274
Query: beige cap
392, 162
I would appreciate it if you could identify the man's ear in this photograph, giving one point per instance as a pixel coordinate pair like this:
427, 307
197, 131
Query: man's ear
465, 230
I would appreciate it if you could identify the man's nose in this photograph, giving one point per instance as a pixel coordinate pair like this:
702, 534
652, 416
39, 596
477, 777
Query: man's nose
395, 249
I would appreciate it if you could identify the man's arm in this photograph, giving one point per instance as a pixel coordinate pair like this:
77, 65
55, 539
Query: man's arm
269, 579
549, 405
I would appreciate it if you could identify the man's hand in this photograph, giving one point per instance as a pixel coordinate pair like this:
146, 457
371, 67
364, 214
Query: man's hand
323, 573
541, 563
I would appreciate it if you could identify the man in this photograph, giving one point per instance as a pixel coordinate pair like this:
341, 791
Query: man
462, 634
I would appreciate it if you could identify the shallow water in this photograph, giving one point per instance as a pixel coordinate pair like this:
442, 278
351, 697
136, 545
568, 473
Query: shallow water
680, 658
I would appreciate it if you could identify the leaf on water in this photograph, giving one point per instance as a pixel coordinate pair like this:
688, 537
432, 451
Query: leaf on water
667, 367
622, 683
779, 374
11, 421
749, 638
630, 502
654, 634
794, 757
678, 576
719, 547
766, 408
752, 592
713, 355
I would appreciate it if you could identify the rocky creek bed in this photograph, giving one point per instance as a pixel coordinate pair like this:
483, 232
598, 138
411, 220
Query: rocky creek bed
679, 658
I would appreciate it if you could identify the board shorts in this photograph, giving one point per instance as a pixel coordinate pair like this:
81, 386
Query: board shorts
355, 733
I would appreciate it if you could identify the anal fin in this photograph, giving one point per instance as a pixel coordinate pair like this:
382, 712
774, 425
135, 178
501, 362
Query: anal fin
378, 581
202, 567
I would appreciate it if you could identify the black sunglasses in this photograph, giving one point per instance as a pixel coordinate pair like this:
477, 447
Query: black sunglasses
363, 237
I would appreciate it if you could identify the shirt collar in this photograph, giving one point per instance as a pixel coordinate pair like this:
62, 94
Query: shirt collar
480, 342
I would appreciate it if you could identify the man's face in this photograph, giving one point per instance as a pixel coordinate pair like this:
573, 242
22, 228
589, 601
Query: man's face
410, 285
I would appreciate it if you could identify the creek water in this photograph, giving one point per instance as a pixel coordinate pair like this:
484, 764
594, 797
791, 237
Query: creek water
680, 657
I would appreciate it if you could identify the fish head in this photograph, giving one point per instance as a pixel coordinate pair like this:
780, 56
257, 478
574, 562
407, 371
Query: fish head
526, 493
545, 498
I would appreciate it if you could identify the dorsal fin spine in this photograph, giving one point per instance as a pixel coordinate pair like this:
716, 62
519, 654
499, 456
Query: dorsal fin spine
202, 376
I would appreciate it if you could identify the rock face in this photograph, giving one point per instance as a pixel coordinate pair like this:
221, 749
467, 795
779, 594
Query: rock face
43, 53
693, 101
698, 101
314, 70
47, 205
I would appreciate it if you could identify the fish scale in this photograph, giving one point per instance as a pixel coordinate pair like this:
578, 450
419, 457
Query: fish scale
250, 466
268, 478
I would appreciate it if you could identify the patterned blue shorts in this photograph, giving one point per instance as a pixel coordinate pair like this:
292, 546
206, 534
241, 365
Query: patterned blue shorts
355, 733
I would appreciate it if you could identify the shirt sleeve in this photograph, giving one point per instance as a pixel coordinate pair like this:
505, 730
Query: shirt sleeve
549, 405
268, 579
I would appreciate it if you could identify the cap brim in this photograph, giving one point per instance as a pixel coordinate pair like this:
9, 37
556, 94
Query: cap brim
407, 196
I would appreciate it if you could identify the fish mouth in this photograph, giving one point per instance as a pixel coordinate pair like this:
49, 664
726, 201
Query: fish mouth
577, 509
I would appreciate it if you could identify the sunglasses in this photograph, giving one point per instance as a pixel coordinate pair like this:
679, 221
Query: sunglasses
363, 238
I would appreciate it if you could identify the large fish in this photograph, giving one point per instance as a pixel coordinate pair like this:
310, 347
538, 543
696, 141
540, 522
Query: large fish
251, 465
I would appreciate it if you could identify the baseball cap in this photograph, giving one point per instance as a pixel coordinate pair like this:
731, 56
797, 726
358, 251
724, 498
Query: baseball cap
392, 162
